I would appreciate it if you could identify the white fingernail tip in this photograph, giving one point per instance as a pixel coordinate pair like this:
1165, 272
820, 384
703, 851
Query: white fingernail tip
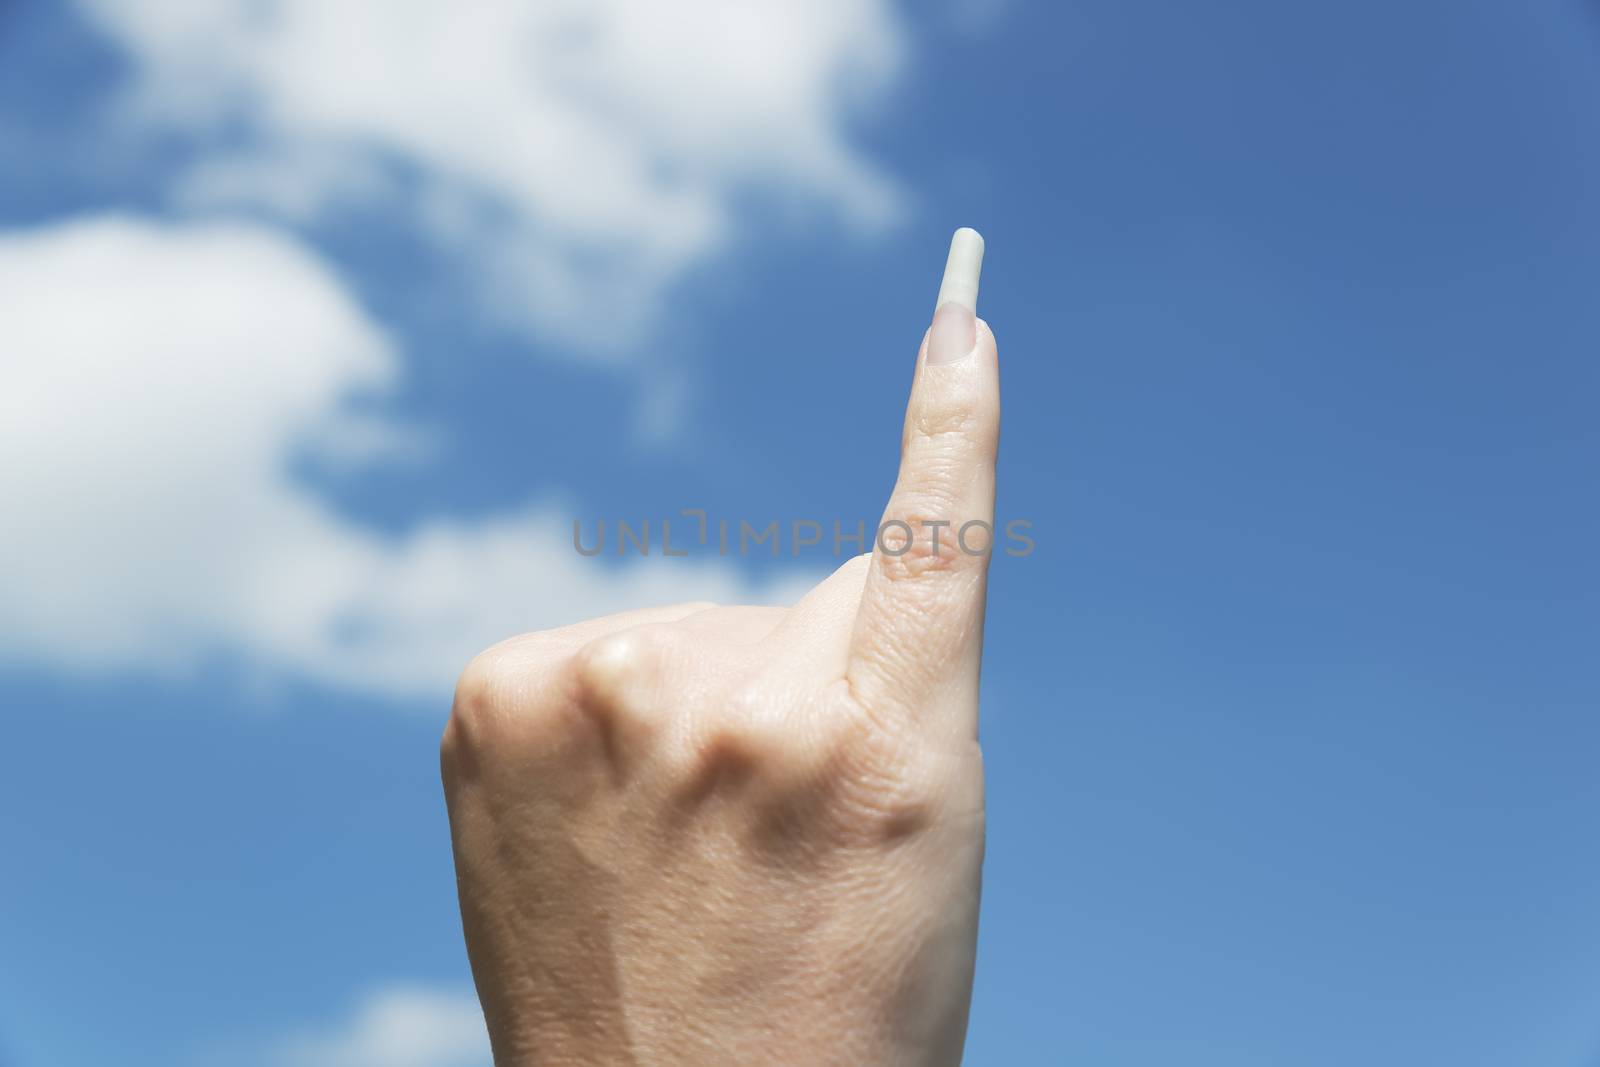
961, 270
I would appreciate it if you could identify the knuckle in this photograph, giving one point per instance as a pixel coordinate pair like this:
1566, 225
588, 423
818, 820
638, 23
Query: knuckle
747, 740
479, 679
944, 421
504, 703
451, 750
889, 794
750, 731
480, 687
962, 418
475, 713
621, 675
922, 545
891, 783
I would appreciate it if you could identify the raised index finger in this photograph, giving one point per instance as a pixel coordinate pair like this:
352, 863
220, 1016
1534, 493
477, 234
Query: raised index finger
918, 635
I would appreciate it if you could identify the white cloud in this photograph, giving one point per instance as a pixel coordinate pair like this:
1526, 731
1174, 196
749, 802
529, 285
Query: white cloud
155, 382
582, 153
397, 1026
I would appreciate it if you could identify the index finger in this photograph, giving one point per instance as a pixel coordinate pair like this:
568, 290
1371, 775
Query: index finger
918, 635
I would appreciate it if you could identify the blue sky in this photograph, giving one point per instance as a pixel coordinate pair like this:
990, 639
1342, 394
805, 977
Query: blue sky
314, 340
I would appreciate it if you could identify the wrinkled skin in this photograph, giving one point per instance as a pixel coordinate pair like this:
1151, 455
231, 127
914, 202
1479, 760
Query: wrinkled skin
734, 835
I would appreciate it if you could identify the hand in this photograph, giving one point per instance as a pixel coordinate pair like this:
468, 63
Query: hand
735, 835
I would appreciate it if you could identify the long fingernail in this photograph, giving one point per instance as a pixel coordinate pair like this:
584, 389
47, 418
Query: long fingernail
954, 334
955, 317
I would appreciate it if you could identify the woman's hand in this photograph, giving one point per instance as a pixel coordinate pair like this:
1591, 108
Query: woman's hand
735, 835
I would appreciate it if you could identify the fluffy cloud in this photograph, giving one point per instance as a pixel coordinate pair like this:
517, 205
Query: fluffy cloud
582, 153
399, 1026
156, 383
